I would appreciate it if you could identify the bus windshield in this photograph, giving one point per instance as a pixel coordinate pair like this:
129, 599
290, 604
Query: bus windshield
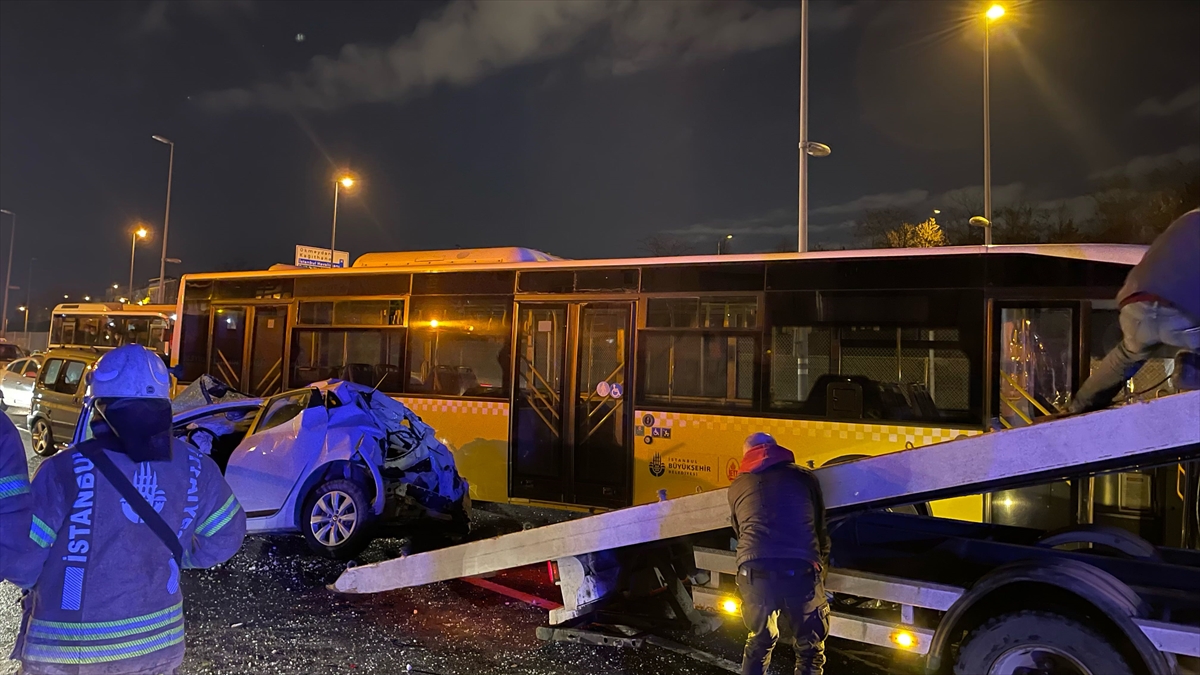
111, 330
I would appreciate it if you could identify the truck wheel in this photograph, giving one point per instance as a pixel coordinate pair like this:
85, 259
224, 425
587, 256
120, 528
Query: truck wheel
43, 438
1038, 643
334, 519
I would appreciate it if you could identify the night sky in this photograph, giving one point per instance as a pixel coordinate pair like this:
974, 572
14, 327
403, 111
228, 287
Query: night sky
575, 128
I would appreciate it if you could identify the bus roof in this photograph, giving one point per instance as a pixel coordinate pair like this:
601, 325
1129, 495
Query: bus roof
113, 309
462, 256
1122, 254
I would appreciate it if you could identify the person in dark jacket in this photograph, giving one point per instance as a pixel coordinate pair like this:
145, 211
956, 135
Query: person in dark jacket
778, 516
16, 500
104, 569
1160, 305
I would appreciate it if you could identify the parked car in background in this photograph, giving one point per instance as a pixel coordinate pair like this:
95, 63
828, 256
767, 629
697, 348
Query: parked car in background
58, 397
16, 383
10, 352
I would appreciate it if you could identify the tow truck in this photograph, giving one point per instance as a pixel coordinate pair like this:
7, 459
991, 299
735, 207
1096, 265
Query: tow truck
962, 597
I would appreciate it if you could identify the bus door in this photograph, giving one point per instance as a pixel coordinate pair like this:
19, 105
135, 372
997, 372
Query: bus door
247, 347
571, 406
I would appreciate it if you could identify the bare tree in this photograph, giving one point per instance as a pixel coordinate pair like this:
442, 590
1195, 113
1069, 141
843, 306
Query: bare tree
665, 245
874, 225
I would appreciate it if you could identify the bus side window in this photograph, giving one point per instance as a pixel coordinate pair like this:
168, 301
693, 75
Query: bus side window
459, 346
700, 352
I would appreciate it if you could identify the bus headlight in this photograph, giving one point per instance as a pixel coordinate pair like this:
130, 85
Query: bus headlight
730, 606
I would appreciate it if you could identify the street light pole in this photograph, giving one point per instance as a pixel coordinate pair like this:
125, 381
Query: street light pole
28, 298
344, 181
139, 233
162, 263
994, 12
337, 184
12, 240
802, 217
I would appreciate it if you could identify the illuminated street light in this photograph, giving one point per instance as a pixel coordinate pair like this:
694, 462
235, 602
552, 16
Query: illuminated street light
344, 181
995, 12
721, 243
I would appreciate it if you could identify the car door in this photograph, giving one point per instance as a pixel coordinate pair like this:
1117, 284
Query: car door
24, 383
45, 397
285, 439
68, 400
9, 381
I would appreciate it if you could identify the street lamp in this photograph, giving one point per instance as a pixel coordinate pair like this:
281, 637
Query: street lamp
344, 181
139, 233
721, 243
993, 14
162, 263
986, 224
12, 240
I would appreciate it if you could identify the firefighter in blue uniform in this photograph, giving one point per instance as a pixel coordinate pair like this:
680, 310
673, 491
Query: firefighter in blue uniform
114, 520
16, 503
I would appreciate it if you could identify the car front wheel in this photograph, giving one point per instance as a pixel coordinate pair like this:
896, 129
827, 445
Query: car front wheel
335, 519
43, 438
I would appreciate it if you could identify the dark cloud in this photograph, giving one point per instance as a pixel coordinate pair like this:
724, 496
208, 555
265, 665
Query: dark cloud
468, 41
156, 17
1187, 101
1145, 165
905, 199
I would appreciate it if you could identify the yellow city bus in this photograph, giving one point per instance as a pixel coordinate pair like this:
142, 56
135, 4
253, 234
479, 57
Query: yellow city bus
598, 384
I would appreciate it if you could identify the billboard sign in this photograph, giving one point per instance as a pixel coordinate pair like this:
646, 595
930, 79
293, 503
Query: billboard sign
312, 256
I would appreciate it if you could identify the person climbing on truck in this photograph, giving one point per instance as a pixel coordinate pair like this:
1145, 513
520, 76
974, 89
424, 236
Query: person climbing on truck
1160, 305
778, 516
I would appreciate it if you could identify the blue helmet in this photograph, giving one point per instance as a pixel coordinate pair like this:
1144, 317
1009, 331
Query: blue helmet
130, 371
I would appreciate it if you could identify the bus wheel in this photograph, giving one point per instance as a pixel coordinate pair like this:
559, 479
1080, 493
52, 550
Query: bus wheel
1038, 642
334, 519
43, 438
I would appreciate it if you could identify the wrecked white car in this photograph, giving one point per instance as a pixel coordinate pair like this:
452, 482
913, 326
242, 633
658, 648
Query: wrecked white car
328, 461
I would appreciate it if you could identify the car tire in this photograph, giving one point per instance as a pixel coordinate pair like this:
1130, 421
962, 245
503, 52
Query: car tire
335, 519
1032, 641
42, 438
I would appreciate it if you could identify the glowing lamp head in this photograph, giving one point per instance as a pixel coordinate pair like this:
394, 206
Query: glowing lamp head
346, 181
141, 232
730, 606
433, 323
904, 639
995, 12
